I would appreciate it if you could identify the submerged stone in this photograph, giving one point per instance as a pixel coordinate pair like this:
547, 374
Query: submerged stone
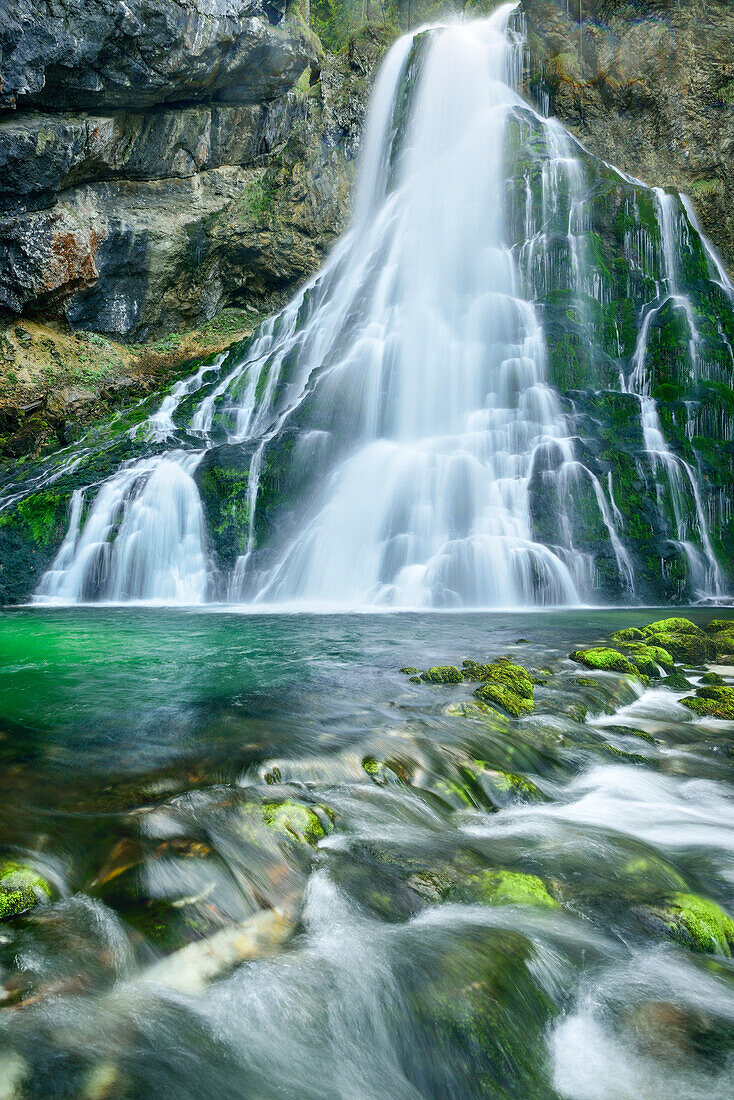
442, 674
297, 821
21, 889
505, 698
697, 923
509, 888
504, 684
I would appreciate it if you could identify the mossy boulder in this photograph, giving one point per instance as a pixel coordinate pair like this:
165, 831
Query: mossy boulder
603, 659
720, 626
21, 889
629, 634
712, 702
691, 649
672, 626
712, 679
409, 670
442, 674
676, 682
723, 642
509, 888
697, 923
504, 684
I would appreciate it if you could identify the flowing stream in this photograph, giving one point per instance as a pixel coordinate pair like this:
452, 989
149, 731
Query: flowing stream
399, 409
198, 944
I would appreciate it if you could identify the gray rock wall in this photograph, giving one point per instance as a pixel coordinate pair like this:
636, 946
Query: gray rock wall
125, 124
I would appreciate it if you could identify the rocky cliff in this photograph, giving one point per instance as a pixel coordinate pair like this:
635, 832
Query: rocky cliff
127, 130
647, 85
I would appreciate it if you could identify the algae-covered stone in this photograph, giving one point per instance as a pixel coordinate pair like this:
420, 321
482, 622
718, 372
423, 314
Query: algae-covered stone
509, 888
672, 626
504, 788
442, 674
605, 660
697, 923
712, 702
648, 657
21, 888
629, 634
723, 641
297, 821
410, 671
501, 696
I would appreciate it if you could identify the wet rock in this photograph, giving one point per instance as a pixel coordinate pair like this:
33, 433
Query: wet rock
719, 626
21, 889
195, 966
712, 679
410, 671
298, 822
503, 684
676, 682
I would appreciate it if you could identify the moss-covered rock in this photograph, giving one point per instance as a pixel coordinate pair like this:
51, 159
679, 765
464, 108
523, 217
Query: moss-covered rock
604, 659
629, 634
723, 642
711, 679
691, 649
697, 923
672, 626
442, 674
297, 821
719, 626
409, 670
676, 682
21, 888
504, 697
509, 888
712, 702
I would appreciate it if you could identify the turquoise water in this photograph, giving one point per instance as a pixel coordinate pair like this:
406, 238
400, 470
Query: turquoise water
139, 747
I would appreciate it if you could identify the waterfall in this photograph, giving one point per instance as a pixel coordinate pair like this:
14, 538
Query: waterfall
396, 418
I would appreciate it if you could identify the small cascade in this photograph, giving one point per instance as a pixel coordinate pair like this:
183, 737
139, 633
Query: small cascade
423, 425
678, 486
143, 539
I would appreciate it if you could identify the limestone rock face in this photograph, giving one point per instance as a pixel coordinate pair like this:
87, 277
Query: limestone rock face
648, 86
123, 128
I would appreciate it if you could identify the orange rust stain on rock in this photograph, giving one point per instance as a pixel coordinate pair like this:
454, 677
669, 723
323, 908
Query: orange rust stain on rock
73, 259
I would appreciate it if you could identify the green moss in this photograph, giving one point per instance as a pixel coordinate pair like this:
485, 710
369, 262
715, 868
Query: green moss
510, 888
692, 649
723, 641
442, 674
605, 660
410, 671
712, 702
21, 888
297, 821
676, 682
501, 696
699, 924
650, 659
718, 626
672, 626
629, 634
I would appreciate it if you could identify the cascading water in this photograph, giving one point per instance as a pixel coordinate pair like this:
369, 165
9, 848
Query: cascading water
400, 433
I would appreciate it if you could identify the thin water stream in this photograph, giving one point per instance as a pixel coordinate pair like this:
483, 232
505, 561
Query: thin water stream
148, 755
